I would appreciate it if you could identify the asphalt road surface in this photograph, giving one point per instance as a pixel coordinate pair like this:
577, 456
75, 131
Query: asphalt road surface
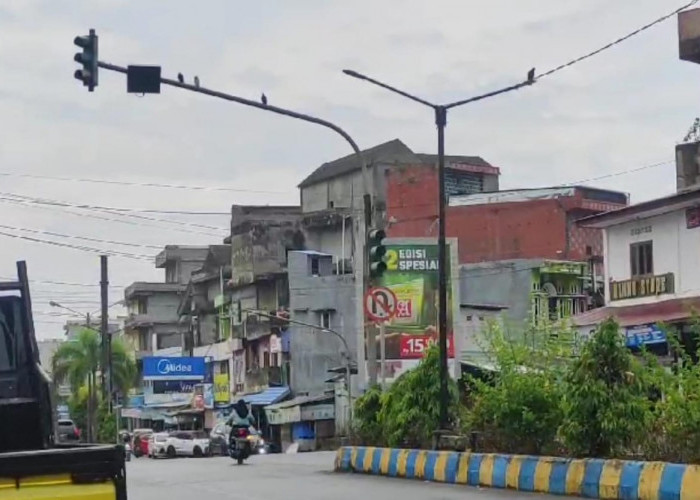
304, 476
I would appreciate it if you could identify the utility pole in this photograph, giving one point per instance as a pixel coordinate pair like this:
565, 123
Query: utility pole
106, 372
440, 111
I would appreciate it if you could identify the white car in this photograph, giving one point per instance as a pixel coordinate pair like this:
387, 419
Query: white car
178, 444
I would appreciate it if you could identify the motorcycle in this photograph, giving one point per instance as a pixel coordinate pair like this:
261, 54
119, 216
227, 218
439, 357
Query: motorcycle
239, 445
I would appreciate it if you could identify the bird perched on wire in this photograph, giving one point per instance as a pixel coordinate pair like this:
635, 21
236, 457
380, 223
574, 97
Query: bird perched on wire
263, 98
531, 76
196, 81
180, 78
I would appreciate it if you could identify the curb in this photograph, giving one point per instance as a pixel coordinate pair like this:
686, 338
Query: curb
590, 478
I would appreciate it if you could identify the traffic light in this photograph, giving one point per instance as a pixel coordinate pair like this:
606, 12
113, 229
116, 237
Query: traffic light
375, 252
88, 58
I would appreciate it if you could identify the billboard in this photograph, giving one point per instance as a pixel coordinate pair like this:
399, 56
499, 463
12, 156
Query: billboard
222, 393
412, 274
182, 368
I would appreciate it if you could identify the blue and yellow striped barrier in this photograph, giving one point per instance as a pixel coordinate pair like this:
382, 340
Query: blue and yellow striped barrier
590, 478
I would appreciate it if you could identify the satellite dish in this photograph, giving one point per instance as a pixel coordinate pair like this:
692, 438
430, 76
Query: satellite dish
549, 289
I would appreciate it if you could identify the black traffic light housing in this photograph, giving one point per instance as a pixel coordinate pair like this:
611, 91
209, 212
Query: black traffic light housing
88, 58
376, 252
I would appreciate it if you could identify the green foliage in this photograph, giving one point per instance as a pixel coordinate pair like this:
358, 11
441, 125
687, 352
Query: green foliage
408, 413
606, 405
78, 363
368, 427
517, 409
106, 424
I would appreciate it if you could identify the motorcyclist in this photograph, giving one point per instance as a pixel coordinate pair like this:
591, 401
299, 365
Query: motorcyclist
240, 418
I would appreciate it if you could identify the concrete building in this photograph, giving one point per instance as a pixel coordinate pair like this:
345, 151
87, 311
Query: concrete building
261, 239
153, 322
73, 326
652, 269
525, 292
319, 297
332, 206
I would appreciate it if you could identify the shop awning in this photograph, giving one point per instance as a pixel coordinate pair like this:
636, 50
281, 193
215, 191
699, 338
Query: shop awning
642, 314
269, 396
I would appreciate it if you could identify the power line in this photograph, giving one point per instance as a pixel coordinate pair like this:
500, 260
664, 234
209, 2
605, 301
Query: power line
79, 247
140, 184
102, 218
616, 42
108, 210
84, 238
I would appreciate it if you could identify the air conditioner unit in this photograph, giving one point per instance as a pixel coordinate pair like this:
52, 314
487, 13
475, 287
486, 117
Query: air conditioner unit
687, 167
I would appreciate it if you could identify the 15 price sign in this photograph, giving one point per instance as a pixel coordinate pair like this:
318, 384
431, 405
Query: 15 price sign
414, 346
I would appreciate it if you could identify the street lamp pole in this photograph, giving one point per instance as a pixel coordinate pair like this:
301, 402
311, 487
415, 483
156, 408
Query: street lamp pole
440, 111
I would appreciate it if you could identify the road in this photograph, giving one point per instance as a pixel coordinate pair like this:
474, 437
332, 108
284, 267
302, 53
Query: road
305, 476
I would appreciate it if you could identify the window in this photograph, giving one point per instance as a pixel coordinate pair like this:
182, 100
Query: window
324, 319
314, 266
142, 305
641, 259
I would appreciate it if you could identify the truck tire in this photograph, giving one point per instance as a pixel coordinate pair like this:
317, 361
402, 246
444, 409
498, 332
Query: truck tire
171, 452
197, 452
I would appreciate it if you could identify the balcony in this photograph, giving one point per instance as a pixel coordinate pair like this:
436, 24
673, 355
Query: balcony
257, 379
255, 327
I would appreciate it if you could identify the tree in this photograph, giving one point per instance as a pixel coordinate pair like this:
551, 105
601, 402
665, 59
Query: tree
605, 404
78, 362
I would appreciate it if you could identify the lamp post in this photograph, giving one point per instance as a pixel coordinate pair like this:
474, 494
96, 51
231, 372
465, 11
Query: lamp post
440, 111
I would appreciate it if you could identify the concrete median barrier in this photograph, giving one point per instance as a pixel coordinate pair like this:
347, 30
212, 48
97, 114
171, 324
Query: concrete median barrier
590, 478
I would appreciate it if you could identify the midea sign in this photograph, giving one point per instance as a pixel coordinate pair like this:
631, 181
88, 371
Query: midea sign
157, 368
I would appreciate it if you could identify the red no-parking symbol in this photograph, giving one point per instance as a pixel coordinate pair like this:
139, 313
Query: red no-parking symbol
380, 304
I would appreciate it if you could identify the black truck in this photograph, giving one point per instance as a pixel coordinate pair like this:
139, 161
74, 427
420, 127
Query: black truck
32, 464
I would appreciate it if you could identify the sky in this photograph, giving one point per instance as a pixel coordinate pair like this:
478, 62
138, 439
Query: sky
593, 122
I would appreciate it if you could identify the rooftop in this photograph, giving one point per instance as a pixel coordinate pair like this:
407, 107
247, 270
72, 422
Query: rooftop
602, 197
181, 252
658, 206
393, 152
148, 288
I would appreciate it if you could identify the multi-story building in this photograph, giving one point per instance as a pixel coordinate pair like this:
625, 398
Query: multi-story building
652, 269
333, 210
153, 322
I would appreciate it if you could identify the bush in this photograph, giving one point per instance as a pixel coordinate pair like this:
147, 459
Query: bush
408, 412
605, 405
517, 409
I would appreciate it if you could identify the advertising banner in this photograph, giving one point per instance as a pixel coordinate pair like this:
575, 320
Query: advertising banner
182, 368
412, 275
638, 336
173, 386
222, 393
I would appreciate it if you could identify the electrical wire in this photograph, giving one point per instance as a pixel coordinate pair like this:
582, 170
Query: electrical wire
108, 219
615, 42
80, 247
84, 238
140, 184
107, 210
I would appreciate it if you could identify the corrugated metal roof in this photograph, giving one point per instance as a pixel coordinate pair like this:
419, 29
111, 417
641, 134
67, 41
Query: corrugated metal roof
269, 396
301, 400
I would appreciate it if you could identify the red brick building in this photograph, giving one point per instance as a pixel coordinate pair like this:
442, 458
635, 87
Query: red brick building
516, 224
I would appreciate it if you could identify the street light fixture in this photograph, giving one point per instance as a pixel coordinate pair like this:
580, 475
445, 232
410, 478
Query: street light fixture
440, 111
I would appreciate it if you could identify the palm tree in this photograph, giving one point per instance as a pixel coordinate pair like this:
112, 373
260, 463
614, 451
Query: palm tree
78, 362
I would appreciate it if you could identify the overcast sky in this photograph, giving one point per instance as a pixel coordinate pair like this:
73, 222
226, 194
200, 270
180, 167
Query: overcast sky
621, 110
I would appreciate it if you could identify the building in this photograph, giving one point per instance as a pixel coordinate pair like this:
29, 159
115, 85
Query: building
333, 210
652, 269
324, 300
73, 327
525, 293
153, 322
504, 225
261, 239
